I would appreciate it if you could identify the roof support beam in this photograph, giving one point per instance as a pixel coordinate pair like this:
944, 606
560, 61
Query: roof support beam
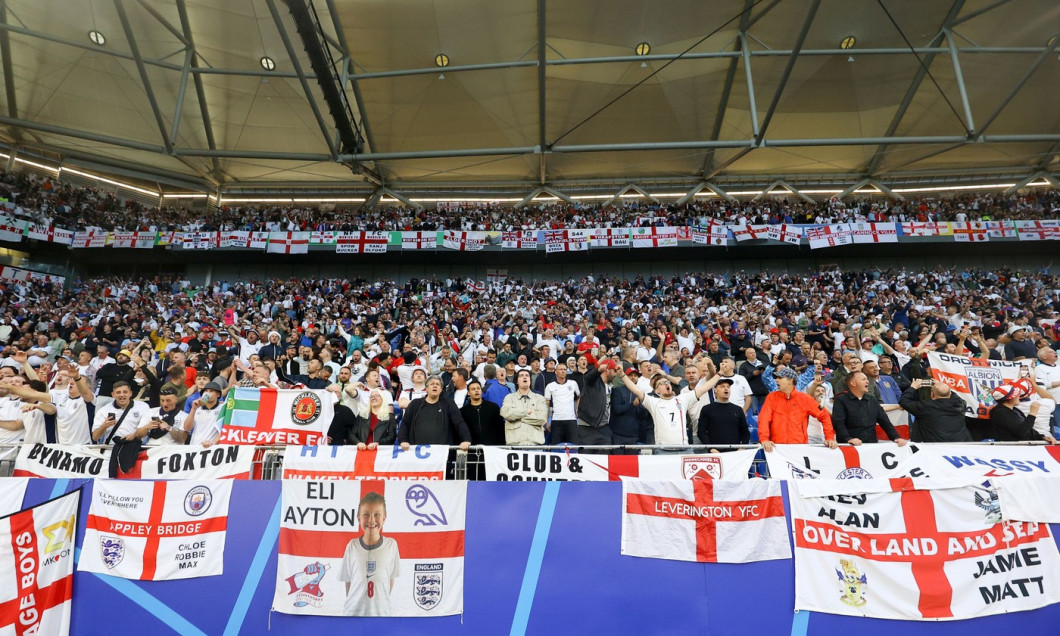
119, 5
1034, 176
730, 76
165, 23
79, 134
787, 186
181, 91
627, 188
204, 111
914, 86
1046, 54
852, 189
293, 55
699, 187
969, 123
889, 192
541, 51
746, 50
9, 72
794, 57
979, 12
398, 197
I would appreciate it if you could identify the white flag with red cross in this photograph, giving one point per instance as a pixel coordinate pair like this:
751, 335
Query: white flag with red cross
346, 462
519, 239
419, 240
970, 232
361, 242
714, 233
156, 530
611, 237
49, 233
914, 554
288, 243
750, 232
371, 548
1038, 230
874, 232
787, 233
37, 567
833, 235
704, 520
806, 461
463, 241
654, 236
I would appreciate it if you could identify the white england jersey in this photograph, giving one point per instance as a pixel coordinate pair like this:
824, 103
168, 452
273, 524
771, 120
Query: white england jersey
371, 574
669, 417
71, 418
11, 409
562, 397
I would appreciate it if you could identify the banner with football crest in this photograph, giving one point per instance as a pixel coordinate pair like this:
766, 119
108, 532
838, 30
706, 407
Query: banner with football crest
973, 379
37, 567
915, 554
275, 416
805, 461
156, 530
371, 548
504, 464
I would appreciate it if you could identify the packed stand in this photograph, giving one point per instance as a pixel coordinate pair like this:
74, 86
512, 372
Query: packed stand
704, 359
50, 202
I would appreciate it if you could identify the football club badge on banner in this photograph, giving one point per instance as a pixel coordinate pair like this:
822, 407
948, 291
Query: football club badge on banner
371, 548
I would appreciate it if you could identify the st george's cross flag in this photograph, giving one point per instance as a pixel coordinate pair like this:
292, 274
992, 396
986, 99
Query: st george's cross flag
463, 241
519, 239
361, 242
915, 554
750, 232
288, 243
704, 520
419, 240
787, 233
833, 235
970, 232
610, 237
275, 416
874, 232
156, 530
806, 461
712, 234
654, 236
37, 567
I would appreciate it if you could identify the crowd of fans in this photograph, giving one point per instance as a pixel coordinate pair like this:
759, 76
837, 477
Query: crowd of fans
598, 360
48, 201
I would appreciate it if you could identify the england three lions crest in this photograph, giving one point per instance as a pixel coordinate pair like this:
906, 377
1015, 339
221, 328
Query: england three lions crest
427, 585
112, 549
701, 467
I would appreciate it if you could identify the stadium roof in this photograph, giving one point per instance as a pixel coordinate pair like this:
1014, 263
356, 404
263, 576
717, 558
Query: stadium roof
535, 92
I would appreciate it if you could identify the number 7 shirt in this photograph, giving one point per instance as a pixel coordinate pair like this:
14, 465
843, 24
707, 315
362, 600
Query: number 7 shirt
669, 417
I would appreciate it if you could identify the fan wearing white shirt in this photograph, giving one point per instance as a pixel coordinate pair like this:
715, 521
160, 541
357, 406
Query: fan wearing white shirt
668, 411
121, 418
562, 396
21, 419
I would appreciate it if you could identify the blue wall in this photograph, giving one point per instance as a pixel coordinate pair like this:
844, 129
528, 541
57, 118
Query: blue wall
540, 555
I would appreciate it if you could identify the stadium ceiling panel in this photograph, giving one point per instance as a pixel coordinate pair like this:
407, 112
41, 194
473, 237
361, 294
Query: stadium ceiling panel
478, 94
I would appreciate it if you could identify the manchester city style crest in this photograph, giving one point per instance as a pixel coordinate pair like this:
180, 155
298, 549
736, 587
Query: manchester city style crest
852, 583
198, 501
112, 549
305, 409
427, 585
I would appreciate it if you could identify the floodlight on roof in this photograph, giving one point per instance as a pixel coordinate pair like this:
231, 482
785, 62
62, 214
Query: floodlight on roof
441, 60
97, 38
642, 49
848, 42
267, 63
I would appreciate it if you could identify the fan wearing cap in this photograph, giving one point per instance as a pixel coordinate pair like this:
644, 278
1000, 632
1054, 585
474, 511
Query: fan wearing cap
721, 421
201, 421
118, 371
1007, 423
594, 408
1020, 347
786, 412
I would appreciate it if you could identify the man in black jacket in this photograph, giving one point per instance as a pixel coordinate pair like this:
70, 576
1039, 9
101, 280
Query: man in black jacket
482, 417
939, 419
433, 419
856, 413
630, 422
594, 409
721, 421
1007, 424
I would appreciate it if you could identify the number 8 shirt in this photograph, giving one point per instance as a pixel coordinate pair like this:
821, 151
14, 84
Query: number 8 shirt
370, 573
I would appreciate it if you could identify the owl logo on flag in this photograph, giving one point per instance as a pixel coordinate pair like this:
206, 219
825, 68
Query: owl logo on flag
989, 504
853, 583
112, 549
421, 502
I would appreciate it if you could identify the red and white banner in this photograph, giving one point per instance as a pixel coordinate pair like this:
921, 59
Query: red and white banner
11, 229
654, 237
55, 461
235, 239
973, 379
463, 241
95, 238
37, 567
750, 232
288, 243
530, 465
133, 240
829, 235
874, 232
156, 530
868, 461
1038, 230
371, 548
346, 462
566, 241
786, 233
519, 240
919, 555
929, 228
610, 237
12, 492
275, 416
201, 240
49, 233
1001, 229
419, 240
361, 242
15, 273
258, 240
322, 237
970, 232
704, 520
712, 234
